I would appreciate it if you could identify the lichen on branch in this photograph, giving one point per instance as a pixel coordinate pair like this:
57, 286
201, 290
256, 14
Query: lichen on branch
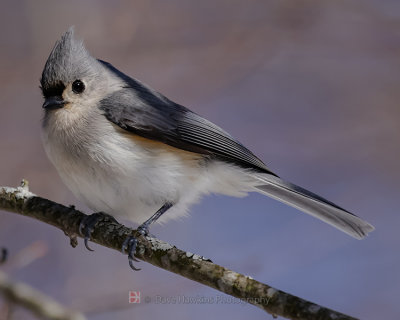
111, 234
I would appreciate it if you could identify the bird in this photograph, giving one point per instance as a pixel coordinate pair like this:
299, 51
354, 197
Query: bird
126, 150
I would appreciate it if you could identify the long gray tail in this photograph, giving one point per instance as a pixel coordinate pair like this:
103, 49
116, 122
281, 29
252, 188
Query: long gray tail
312, 204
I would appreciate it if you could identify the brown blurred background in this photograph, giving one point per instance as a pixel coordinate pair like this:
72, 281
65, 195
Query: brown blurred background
312, 87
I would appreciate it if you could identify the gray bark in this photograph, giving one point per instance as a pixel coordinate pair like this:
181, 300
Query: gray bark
111, 234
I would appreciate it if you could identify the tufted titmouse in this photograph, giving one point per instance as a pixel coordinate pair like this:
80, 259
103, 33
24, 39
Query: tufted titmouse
126, 150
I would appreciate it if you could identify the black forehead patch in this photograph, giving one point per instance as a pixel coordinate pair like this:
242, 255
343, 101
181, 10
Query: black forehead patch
54, 90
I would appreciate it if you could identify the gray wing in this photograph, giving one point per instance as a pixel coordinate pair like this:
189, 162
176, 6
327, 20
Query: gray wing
145, 112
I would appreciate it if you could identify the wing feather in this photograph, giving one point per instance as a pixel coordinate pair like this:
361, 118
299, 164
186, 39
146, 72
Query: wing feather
145, 112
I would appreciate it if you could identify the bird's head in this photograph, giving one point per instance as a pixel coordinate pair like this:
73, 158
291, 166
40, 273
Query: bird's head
71, 77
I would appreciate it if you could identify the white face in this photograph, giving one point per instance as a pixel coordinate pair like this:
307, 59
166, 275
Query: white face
80, 94
83, 95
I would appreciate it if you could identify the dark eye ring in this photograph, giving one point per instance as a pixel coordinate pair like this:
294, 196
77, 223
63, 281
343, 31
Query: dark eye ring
78, 86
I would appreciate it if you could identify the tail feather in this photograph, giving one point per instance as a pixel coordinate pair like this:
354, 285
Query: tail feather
313, 204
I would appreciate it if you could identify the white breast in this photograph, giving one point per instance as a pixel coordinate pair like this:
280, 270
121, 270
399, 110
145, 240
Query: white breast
127, 176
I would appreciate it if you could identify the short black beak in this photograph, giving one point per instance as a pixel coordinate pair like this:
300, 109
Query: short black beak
52, 103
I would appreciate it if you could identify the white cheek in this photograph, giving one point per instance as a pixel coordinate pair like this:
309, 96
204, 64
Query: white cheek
96, 89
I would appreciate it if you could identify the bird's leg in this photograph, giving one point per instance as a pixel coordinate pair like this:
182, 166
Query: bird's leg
88, 223
144, 227
130, 242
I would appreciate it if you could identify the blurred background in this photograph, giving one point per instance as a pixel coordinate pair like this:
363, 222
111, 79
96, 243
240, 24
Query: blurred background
310, 86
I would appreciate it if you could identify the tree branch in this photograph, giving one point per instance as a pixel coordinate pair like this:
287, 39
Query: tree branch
111, 234
35, 301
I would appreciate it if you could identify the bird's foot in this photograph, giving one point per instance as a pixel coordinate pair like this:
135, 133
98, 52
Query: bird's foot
88, 223
143, 229
130, 244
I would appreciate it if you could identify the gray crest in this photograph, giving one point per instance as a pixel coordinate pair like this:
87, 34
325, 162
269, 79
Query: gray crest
69, 60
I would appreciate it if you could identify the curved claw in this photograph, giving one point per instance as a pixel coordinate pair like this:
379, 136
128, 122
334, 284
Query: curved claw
86, 227
132, 248
130, 242
132, 266
127, 244
86, 241
129, 247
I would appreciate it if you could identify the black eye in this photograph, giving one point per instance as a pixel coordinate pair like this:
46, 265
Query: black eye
78, 86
